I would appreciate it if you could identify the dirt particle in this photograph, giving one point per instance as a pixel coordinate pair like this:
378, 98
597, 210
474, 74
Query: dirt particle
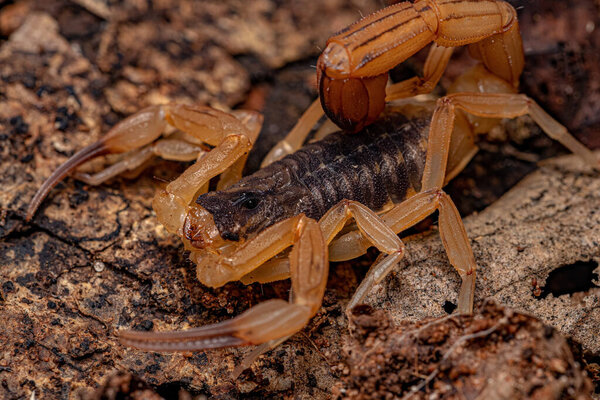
449, 307
152, 368
8, 287
19, 126
98, 266
471, 352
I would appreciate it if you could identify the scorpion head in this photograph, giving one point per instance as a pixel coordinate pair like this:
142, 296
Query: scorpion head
350, 102
199, 230
232, 212
245, 208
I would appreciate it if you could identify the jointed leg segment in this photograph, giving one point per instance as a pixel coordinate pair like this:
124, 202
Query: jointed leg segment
168, 149
435, 65
488, 105
402, 217
272, 319
232, 134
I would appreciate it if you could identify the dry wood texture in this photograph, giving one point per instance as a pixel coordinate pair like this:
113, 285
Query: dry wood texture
94, 258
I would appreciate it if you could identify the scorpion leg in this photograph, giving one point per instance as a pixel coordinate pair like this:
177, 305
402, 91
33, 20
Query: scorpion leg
452, 231
375, 231
270, 320
402, 217
488, 105
168, 149
296, 137
253, 122
276, 269
435, 65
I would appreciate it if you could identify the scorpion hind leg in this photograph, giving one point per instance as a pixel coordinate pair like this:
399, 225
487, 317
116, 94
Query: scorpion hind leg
296, 137
376, 233
137, 160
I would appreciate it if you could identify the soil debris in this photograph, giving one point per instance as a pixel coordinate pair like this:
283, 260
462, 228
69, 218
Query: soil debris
494, 354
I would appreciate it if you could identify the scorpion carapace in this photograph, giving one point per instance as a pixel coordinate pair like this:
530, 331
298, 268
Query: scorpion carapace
381, 166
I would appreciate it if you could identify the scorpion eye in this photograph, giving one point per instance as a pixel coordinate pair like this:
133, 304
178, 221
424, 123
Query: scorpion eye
250, 203
248, 200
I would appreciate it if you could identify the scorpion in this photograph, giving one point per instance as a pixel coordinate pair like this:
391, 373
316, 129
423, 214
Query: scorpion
387, 176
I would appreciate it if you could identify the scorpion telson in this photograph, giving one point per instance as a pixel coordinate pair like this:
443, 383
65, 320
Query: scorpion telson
352, 71
387, 178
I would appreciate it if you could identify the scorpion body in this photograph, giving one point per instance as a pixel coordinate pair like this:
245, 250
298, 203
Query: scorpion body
387, 178
381, 166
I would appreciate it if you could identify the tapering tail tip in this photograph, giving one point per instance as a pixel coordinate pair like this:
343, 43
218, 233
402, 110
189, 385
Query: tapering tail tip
83, 155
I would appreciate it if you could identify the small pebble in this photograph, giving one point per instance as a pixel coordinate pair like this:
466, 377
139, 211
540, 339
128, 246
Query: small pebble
99, 266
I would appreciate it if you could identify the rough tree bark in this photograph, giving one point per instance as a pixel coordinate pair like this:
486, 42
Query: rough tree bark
94, 259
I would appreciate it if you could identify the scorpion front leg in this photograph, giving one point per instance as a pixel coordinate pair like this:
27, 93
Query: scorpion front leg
373, 231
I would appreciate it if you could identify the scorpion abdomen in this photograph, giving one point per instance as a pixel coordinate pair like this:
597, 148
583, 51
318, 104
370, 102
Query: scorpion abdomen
382, 164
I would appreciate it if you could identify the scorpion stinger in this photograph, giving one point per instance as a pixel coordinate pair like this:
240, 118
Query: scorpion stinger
352, 71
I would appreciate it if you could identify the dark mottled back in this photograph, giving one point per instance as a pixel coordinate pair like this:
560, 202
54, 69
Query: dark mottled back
379, 164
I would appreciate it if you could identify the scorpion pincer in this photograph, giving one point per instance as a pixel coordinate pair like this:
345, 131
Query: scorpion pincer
387, 177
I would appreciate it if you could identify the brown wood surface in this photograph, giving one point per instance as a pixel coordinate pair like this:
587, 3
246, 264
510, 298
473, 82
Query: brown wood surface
94, 259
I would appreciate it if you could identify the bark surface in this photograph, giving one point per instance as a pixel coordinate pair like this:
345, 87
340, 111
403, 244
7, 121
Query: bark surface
94, 259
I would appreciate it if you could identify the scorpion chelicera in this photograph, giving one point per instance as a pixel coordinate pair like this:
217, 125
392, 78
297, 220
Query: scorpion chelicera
387, 177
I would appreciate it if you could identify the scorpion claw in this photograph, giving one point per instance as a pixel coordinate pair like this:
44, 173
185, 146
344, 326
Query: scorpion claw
83, 155
272, 319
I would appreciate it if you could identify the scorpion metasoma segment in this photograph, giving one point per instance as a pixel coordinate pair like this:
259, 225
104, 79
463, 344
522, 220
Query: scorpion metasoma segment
386, 178
352, 71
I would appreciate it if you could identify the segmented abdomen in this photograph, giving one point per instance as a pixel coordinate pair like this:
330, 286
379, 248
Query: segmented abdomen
382, 163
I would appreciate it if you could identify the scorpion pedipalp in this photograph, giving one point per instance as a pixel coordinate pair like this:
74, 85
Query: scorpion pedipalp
138, 130
272, 319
